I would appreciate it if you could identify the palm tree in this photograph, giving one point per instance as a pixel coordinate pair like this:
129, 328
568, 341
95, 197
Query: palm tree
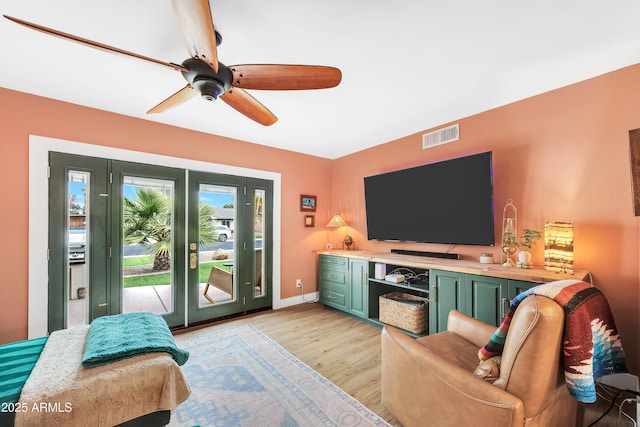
148, 222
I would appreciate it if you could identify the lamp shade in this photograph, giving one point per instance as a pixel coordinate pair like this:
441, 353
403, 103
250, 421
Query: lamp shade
337, 221
558, 247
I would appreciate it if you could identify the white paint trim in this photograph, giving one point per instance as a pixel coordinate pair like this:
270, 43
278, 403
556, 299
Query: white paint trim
306, 298
39, 148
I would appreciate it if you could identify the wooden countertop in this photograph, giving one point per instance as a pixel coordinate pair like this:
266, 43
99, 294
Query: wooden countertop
535, 274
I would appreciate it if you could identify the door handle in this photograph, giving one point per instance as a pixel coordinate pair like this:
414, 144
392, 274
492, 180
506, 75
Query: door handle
505, 307
193, 260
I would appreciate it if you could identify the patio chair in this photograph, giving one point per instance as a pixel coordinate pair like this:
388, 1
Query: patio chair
220, 279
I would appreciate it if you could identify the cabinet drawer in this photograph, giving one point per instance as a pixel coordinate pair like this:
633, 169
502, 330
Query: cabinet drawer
328, 275
335, 287
333, 298
334, 262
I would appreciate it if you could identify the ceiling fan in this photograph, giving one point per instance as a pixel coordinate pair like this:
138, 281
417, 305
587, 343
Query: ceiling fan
210, 78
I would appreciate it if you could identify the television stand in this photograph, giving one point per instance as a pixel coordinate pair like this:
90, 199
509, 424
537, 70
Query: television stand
444, 255
347, 281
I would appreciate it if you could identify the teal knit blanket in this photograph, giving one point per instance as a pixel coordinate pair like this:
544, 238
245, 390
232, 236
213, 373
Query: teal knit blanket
121, 336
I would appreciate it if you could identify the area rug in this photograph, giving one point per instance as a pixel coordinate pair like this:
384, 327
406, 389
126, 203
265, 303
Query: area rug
240, 377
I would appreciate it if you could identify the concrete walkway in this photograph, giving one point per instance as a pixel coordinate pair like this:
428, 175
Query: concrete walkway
156, 299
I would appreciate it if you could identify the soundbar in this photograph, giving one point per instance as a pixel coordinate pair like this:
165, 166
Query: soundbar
444, 255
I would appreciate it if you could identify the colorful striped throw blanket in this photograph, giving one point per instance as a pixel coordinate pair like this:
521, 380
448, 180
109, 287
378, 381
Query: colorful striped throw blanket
592, 347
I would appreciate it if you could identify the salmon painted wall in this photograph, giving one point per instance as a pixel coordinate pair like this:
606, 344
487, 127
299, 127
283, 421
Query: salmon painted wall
561, 156
22, 114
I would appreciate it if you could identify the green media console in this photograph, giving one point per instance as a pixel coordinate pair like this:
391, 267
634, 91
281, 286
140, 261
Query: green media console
347, 282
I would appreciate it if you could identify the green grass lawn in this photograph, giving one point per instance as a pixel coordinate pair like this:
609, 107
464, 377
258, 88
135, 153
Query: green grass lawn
135, 261
164, 278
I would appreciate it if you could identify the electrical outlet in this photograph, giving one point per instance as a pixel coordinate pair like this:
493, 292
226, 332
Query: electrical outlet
298, 283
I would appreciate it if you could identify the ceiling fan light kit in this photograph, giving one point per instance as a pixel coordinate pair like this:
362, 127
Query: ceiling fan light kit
204, 79
209, 77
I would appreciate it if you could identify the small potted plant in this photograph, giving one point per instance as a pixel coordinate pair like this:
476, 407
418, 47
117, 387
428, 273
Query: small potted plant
530, 236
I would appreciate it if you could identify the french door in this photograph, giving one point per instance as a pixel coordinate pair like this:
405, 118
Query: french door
234, 277
147, 240
117, 241
78, 246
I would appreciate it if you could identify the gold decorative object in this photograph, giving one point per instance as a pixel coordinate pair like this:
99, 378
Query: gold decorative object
509, 233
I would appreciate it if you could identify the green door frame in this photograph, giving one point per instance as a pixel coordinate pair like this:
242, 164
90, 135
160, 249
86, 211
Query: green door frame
119, 170
104, 254
58, 293
104, 249
245, 275
255, 301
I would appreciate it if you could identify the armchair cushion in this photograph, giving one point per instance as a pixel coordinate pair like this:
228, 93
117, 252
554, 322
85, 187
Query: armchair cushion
452, 347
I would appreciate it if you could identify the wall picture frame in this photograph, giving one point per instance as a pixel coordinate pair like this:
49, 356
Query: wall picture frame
307, 203
634, 154
309, 221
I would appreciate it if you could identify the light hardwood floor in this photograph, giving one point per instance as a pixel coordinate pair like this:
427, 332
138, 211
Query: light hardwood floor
344, 350
340, 347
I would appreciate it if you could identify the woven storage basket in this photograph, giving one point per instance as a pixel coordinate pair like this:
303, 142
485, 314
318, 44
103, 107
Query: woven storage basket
409, 316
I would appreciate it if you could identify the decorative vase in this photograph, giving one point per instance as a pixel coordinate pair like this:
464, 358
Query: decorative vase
508, 251
524, 259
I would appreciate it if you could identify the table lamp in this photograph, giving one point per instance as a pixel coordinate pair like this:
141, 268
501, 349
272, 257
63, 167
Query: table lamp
558, 247
336, 222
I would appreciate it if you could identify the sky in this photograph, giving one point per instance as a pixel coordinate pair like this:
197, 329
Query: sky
214, 199
217, 200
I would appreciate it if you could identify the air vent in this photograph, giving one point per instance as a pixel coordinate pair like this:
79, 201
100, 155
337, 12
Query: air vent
441, 136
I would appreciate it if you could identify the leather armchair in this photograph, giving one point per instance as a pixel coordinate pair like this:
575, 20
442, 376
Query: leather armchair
430, 381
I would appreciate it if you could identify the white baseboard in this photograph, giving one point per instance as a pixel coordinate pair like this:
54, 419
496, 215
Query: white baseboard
301, 299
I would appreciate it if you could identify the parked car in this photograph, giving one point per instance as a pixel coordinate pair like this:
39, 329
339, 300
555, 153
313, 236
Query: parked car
77, 244
221, 233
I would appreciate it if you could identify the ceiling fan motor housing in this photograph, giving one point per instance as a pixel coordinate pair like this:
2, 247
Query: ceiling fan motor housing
206, 81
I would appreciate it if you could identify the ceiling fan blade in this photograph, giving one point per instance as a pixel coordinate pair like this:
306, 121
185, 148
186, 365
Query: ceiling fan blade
178, 98
92, 43
284, 77
196, 26
249, 106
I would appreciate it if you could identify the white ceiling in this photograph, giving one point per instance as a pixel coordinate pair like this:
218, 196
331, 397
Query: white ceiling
407, 65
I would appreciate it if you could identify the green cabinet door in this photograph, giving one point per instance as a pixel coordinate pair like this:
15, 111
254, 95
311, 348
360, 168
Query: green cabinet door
358, 295
518, 286
344, 285
446, 292
488, 298
333, 281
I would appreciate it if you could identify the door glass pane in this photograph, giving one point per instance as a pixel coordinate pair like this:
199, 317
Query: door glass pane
77, 208
258, 228
217, 255
147, 252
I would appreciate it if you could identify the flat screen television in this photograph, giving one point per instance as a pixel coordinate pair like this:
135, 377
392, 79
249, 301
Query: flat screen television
449, 202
